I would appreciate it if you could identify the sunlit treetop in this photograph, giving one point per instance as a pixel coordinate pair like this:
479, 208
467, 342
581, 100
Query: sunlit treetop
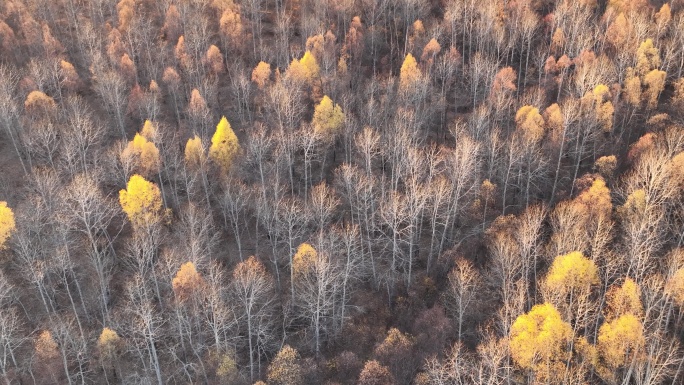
409, 74
7, 224
530, 123
224, 145
624, 299
621, 340
194, 153
187, 281
261, 74
304, 259
572, 271
539, 341
328, 117
648, 57
597, 198
141, 201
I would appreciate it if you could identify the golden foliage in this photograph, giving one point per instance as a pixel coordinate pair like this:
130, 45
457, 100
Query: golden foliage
531, 123
633, 88
313, 71
623, 300
655, 83
141, 201
145, 154
634, 205
125, 10
618, 31
108, 342
328, 118
45, 346
39, 103
648, 57
304, 259
194, 153
620, 340
285, 368
558, 40
224, 145
409, 74
261, 73
572, 271
597, 198
127, 67
187, 281
7, 224
539, 341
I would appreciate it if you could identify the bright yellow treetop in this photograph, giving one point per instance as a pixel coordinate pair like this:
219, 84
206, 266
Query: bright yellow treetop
409, 74
328, 118
141, 201
7, 224
539, 341
194, 153
572, 271
620, 340
313, 71
654, 81
224, 145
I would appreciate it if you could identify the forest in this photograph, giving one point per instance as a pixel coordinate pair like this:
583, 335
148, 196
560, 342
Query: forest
342, 192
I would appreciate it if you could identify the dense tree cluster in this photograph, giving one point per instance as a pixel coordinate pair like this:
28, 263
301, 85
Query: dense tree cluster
341, 192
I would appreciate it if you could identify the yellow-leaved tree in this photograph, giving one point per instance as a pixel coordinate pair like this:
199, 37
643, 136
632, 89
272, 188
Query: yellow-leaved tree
108, 344
142, 154
141, 201
224, 145
7, 224
409, 74
313, 71
328, 118
530, 123
620, 342
572, 272
540, 341
194, 153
